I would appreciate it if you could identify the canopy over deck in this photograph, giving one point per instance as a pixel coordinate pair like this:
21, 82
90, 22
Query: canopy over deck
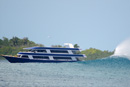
50, 48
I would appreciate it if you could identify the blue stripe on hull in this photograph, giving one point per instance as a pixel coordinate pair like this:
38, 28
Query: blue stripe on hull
23, 60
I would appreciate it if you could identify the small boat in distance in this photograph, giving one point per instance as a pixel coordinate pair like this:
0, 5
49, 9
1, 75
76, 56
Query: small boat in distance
47, 55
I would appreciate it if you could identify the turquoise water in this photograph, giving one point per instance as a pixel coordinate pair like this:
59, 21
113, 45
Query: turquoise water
108, 72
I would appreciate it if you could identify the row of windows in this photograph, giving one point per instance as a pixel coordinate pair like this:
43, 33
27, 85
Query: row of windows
45, 57
24, 56
41, 57
53, 51
38, 51
57, 51
62, 57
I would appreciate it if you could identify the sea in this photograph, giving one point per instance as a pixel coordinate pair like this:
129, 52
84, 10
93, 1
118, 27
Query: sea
112, 71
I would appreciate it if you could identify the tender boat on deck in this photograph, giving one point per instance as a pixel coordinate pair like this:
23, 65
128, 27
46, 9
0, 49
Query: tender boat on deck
47, 55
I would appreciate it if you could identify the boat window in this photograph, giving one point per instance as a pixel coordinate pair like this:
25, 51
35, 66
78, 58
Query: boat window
19, 55
40, 57
41, 50
62, 57
76, 52
59, 51
32, 50
24, 56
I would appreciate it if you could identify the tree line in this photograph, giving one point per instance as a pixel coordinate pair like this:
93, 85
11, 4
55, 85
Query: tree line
93, 53
14, 45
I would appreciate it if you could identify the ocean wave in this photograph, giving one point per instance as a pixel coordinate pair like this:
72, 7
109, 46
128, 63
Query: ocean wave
112, 61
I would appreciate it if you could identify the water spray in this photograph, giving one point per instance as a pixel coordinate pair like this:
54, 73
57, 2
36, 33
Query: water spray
123, 49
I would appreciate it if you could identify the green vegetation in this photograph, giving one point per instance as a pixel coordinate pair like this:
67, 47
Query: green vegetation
14, 45
93, 53
76, 46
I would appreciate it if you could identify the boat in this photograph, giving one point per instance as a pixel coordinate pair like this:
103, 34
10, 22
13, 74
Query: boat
47, 55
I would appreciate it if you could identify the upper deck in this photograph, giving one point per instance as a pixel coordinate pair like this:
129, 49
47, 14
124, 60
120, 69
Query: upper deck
52, 53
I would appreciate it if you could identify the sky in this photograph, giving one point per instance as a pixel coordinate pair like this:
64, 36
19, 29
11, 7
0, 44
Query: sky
101, 24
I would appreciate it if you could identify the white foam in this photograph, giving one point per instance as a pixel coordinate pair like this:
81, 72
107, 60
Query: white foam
123, 49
